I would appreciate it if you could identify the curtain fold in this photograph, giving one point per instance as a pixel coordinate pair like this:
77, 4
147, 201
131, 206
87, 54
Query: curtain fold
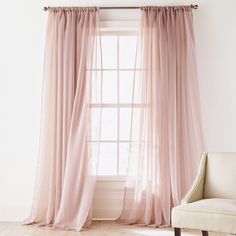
164, 155
65, 183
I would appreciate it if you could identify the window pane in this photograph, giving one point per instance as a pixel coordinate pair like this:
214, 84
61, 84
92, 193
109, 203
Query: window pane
97, 54
94, 155
127, 46
125, 123
95, 123
96, 87
124, 156
107, 159
126, 86
109, 93
109, 52
129, 82
109, 124
127, 151
109, 87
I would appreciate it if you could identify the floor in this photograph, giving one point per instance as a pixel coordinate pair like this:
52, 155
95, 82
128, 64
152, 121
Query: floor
98, 228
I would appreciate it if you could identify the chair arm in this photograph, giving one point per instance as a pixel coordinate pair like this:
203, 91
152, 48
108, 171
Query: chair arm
196, 191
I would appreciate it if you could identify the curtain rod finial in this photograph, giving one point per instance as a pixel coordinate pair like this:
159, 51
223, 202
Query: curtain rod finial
194, 6
46, 8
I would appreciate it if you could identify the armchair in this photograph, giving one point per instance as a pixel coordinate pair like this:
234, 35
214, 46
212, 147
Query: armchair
210, 205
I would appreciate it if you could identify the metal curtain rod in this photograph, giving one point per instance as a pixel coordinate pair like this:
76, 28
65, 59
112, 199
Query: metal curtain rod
134, 7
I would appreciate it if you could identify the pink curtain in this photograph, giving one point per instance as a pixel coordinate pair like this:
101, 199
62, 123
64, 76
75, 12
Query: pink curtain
164, 155
65, 183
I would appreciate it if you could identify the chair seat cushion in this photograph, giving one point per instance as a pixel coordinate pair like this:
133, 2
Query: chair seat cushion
212, 214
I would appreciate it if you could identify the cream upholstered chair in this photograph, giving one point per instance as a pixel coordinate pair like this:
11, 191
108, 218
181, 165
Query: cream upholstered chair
210, 205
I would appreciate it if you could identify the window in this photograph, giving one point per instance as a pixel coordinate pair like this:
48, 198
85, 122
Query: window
118, 70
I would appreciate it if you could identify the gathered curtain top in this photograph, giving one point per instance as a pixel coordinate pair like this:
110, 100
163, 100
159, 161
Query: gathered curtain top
70, 9
160, 8
144, 8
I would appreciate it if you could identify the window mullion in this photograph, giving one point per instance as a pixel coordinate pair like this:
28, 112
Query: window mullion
118, 109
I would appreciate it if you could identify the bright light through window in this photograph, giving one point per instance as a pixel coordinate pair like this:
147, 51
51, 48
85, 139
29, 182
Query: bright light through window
118, 68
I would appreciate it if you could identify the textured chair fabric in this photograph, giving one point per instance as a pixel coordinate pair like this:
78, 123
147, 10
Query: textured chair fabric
210, 205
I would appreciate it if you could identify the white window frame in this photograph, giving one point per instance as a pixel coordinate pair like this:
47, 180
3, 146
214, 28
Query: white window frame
118, 105
109, 191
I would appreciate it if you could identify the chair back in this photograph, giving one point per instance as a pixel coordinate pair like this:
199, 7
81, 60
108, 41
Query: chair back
220, 176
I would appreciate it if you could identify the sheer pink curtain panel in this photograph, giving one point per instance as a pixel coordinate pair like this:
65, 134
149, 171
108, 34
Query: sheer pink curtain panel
164, 154
65, 182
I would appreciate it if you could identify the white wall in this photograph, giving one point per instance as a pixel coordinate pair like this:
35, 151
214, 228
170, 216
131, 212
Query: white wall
22, 26
22, 30
216, 52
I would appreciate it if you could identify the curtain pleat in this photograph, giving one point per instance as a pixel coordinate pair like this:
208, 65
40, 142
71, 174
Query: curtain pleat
65, 183
164, 156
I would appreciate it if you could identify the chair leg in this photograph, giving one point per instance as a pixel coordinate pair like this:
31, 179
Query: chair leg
204, 233
177, 232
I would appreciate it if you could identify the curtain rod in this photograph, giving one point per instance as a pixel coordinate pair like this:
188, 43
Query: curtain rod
110, 8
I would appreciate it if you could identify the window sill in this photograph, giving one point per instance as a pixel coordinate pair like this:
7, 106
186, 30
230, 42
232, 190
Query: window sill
111, 178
